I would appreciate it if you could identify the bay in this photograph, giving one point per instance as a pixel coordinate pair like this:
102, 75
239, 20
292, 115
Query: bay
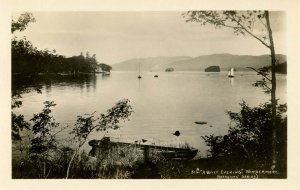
172, 101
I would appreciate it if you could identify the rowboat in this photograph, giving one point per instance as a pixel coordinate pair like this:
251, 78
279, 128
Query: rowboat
180, 155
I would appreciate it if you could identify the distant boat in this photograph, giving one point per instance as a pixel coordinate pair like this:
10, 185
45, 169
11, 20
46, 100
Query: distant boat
139, 77
169, 69
200, 122
155, 76
231, 73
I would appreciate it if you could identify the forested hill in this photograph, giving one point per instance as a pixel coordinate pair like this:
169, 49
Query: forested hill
27, 59
200, 63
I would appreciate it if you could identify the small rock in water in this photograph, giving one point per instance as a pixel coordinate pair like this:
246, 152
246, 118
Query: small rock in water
177, 133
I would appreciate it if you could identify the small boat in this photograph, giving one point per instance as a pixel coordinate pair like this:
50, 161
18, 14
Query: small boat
169, 69
200, 122
155, 76
180, 155
171, 153
231, 73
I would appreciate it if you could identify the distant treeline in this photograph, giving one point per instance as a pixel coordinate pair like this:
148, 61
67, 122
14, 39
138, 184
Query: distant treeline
27, 59
282, 68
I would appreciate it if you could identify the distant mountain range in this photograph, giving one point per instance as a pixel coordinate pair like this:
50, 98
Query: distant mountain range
147, 64
200, 63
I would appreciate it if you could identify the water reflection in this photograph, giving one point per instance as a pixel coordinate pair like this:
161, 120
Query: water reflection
87, 81
161, 105
48, 87
105, 76
231, 80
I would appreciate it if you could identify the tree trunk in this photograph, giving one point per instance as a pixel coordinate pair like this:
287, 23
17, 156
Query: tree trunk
70, 163
273, 93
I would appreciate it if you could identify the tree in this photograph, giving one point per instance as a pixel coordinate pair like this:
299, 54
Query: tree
44, 138
18, 122
85, 125
20, 48
105, 67
22, 22
248, 140
243, 22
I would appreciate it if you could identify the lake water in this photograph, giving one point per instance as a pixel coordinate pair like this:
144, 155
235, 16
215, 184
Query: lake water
173, 101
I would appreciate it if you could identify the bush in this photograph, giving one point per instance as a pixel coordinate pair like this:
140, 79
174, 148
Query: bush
248, 142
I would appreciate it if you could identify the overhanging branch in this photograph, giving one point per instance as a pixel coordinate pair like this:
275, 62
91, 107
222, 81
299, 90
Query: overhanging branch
246, 30
260, 73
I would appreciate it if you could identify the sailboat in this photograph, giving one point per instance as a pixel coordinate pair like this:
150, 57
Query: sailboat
139, 77
231, 73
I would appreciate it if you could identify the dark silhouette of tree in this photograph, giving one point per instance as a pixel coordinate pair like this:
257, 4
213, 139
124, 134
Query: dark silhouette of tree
44, 138
249, 137
242, 23
85, 125
21, 48
22, 22
105, 67
27, 59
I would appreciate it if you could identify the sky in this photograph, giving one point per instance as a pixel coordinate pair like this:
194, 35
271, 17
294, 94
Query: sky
119, 36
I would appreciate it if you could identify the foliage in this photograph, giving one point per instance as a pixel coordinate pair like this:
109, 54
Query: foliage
85, 125
43, 142
105, 67
27, 59
45, 157
118, 162
18, 122
282, 68
266, 82
242, 22
248, 140
245, 22
22, 22
88, 123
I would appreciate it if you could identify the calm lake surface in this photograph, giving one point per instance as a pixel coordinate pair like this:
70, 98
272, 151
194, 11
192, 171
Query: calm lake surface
173, 101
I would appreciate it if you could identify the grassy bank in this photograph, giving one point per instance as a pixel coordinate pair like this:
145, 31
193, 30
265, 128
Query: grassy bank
127, 163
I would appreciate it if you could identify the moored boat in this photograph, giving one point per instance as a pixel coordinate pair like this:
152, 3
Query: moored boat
231, 73
187, 154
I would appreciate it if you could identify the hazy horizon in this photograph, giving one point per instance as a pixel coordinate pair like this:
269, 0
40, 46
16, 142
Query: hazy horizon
118, 36
193, 56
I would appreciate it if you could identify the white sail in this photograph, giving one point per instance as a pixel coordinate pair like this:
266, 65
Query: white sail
231, 72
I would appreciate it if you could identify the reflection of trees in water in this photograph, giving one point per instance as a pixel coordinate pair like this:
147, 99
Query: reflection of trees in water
46, 81
48, 87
